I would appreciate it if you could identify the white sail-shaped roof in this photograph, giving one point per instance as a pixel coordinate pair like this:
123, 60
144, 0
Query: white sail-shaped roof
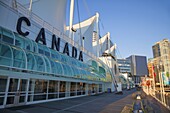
105, 45
52, 11
103, 39
87, 28
84, 23
112, 50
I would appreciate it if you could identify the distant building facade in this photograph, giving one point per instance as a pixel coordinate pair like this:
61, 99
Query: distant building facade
124, 65
138, 67
151, 67
161, 54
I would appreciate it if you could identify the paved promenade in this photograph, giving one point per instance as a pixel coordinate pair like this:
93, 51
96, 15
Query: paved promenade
103, 103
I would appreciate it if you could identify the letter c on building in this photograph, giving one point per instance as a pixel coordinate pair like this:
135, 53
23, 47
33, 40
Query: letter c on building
19, 23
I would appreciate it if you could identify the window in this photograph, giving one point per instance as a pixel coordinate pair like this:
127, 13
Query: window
19, 58
48, 66
40, 63
5, 55
3, 81
59, 68
73, 89
53, 69
47, 53
0, 33
62, 89
64, 58
40, 86
53, 89
31, 63
19, 41
13, 85
67, 70
7, 36
23, 85
53, 86
34, 49
55, 55
40, 51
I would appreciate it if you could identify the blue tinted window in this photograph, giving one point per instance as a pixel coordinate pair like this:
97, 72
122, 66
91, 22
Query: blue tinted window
31, 63
19, 58
7, 36
5, 55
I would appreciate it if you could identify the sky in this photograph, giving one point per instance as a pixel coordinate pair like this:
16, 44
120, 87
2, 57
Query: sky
135, 25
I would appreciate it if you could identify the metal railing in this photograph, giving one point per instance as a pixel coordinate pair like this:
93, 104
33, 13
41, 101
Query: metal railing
158, 95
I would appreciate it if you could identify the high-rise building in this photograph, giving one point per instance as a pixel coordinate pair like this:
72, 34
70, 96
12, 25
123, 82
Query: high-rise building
161, 54
125, 72
124, 65
138, 67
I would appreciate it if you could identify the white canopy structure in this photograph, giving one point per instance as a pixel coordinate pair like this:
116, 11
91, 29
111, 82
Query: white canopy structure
82, 33
105, 45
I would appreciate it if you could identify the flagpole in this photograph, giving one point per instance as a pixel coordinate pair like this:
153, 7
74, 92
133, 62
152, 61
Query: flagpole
161, 84
160, 88
153, 76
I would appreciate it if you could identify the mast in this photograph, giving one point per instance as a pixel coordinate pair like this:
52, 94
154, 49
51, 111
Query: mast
108, 34
30, 7
71, 17
97, 33
115, 47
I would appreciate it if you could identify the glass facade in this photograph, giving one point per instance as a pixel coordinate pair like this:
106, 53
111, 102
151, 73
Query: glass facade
5, 55
25, 54
53, 89
43, 73
3, 81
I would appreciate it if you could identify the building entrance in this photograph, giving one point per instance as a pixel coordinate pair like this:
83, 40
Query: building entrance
17, 92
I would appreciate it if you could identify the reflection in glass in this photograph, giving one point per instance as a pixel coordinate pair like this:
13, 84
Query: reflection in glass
1, 100
23, 84
53, 89
53, 86
40, 86
62, 89
13, 85
73, 89
3, 82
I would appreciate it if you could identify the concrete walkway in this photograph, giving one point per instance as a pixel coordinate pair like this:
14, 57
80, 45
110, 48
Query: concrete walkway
117, 106
103, 103
157, 107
